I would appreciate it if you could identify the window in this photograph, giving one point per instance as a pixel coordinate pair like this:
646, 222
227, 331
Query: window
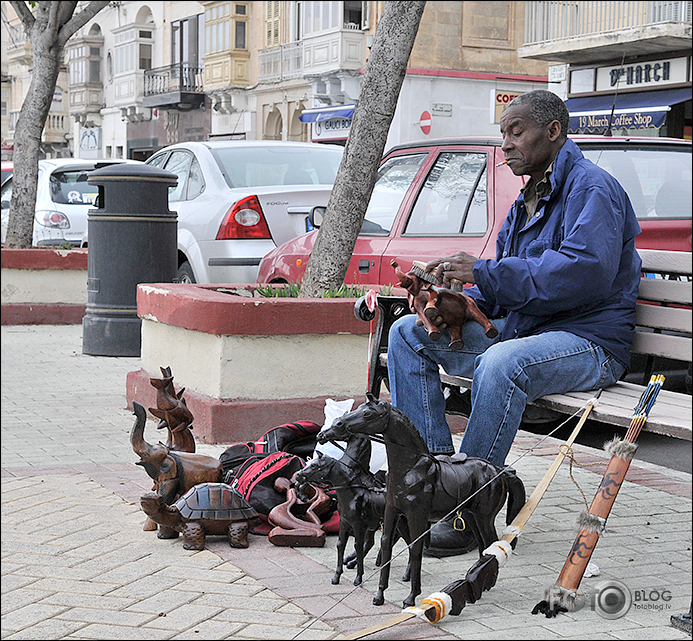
95, 70
271, 23
240, 35
658, 181
395, 177
261, 166
453, 198
133, 50
186, 40
145, 56
178, 163
72, 188
196, 182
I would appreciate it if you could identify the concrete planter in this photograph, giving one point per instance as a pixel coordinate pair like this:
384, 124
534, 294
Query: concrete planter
43, 286
248, 363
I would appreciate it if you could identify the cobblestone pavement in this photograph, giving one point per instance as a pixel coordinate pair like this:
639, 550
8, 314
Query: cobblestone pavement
76, 563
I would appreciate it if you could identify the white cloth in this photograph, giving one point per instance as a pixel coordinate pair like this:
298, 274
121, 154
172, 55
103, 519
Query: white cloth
335, 409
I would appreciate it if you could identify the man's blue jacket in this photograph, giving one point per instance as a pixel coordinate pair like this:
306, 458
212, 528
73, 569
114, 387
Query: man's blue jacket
573, 267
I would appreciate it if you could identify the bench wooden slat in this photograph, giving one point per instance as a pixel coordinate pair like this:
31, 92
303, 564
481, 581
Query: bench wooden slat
679, 348
666, 291
671, 318
666, 262
670, 415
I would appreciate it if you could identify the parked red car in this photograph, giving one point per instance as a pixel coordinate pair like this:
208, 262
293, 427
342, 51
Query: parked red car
434, 198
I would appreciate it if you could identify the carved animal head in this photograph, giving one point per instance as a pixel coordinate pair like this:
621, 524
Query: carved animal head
369, 418
317, 471
154, 459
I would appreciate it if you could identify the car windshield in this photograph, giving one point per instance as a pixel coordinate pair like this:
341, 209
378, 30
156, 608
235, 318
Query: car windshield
658, 181
269, 166
70, 187
395, 176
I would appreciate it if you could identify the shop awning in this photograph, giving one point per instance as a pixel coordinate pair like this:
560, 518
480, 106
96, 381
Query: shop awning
633, 110
327, 113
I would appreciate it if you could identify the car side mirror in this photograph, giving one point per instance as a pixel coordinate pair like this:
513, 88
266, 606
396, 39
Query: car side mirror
316, 216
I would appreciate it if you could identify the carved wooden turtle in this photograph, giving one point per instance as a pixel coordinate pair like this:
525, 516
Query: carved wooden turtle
207, 508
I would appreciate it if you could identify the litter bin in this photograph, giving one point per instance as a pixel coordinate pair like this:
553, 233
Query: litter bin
132, 240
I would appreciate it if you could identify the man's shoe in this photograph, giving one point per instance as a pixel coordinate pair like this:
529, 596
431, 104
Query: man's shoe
457, 402
448, 541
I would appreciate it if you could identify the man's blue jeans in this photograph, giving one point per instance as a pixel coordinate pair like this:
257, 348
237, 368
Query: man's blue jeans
506, 376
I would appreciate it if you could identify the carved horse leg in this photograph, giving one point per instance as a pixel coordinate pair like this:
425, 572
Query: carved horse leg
344, 531
475, 314
386, 543
418, 524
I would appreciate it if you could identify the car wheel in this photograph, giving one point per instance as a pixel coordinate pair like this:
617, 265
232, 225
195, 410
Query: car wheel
185, 274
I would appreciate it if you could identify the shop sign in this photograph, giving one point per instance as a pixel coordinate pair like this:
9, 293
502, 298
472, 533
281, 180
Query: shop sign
501, 101
648, 74
332, 129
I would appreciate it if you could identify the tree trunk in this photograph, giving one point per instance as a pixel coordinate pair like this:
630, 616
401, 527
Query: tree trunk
27, 145
48, 29
346, 209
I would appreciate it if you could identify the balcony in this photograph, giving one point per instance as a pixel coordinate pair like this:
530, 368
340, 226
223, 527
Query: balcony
593, 31
281, 63
19, 48
178, 85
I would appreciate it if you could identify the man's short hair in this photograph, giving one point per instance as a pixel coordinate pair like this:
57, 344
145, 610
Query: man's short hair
545, 106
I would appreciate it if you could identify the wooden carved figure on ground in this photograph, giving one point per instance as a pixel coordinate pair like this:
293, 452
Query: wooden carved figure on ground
425, 488
173, 413
297, 521
430, 301
174, 473
360, 499
207, 508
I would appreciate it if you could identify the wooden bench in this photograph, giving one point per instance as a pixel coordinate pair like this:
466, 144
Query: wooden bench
663, 330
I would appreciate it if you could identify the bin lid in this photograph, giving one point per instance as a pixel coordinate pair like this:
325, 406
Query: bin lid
131, 171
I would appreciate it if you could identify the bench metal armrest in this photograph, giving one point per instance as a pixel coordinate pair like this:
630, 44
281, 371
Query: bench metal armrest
390, 309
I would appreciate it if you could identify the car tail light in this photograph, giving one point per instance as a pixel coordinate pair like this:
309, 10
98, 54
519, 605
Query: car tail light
244, 220
51, 218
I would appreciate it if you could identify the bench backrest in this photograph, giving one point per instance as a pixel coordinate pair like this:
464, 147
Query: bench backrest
664, 305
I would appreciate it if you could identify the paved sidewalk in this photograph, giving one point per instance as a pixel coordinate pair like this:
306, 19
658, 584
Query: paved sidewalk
76, 563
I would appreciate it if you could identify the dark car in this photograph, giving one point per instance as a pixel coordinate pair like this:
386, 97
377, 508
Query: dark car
432, 199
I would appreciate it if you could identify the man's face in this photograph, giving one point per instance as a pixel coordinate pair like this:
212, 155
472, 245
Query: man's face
528, 148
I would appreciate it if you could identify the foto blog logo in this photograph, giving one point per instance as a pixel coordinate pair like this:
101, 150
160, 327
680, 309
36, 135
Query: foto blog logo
613, 599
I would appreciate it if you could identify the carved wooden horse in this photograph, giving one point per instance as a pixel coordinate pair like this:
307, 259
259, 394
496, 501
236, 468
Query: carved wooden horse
360, 499
426, 488
429, 302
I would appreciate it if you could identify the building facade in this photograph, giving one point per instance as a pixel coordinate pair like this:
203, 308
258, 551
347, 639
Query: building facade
624, 68
142, 75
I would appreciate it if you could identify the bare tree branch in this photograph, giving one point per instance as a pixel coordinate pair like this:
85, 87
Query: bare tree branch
24, 14
80, 19
50, 33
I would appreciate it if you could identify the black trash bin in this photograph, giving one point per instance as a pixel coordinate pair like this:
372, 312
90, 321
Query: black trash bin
132, 240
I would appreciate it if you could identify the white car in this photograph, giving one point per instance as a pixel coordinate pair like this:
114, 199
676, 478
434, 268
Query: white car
237, 200
63, 200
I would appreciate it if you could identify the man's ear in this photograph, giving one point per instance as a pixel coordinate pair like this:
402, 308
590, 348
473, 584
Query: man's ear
554, 130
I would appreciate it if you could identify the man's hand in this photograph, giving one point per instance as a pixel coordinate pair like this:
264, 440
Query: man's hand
459, 267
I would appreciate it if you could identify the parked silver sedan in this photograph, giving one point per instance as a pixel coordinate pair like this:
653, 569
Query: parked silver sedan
238, 200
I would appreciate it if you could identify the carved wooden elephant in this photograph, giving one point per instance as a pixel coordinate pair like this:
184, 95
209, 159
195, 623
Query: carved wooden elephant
174, 473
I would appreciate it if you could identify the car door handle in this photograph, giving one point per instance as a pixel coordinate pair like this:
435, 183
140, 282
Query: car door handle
364, 266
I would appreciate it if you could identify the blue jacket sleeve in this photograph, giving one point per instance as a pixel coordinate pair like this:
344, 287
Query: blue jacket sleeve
552, 276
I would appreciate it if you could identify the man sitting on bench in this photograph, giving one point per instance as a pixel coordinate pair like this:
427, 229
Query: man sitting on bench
561, 292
